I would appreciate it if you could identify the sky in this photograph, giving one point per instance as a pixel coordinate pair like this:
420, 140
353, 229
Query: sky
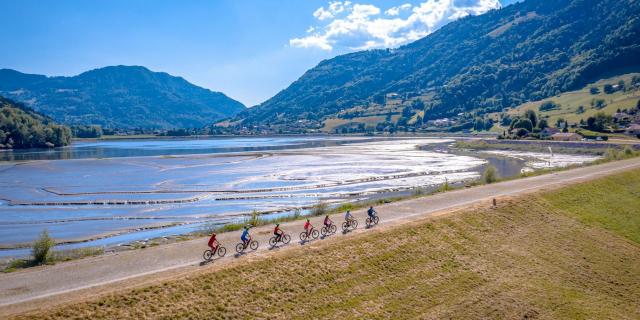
248, 49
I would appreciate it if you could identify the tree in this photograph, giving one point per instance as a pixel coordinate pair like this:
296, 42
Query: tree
594, 90
488, 124
531, 115
419, 122
524, 124
580, 110
621, 85
598, 103
506, 120
522, 132
407, 112
543, 124
599, 122
608, 89
417, 104
548, 105
478, 124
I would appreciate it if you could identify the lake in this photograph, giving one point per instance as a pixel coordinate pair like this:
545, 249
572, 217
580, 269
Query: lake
107, 193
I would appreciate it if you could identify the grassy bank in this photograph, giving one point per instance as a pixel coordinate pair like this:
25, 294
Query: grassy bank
573, 253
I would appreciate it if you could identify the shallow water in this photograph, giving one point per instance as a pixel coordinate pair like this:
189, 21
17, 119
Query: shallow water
193, 182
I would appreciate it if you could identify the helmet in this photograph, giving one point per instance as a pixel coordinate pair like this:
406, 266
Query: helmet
277, 224
307, 220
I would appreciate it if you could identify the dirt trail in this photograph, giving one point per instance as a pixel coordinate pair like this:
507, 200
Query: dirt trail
50, 285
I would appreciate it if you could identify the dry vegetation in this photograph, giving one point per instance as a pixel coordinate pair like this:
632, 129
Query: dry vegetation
568, 254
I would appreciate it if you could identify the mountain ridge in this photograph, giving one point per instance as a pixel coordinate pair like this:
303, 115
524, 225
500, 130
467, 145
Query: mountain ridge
119, 97
522, 52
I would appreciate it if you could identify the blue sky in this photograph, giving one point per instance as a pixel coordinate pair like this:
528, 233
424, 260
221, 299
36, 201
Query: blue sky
249, 50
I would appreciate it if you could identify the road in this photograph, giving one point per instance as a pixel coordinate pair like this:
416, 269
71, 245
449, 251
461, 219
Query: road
48, 285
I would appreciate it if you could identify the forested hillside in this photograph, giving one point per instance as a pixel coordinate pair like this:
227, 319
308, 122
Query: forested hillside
119, 97
21, 127
526, 51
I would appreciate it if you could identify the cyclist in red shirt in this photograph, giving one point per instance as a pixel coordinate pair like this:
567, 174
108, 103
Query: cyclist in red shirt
278, 232
213, 243
307, 226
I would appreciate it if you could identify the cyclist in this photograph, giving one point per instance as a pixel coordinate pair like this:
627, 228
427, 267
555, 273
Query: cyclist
245, 237
308, 227
327, 221
348, 217
213, 243
372, 213
278, 232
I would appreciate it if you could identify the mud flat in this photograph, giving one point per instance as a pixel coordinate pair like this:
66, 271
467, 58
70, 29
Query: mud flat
184, 191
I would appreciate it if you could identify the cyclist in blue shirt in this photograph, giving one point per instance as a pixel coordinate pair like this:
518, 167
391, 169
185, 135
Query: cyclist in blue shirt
245, 237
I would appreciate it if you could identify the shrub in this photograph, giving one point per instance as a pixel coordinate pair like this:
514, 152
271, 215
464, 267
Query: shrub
548, 105
445, 186
255, 219
319, 209
42, 248
490, 174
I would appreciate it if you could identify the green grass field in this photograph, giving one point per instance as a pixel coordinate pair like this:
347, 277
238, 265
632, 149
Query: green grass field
570, 101
572, 253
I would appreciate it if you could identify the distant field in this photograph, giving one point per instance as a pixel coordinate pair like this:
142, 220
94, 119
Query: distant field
572, 253
570, 101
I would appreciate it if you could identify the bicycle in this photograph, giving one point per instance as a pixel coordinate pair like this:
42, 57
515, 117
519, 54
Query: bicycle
313, 233
208, 254
253, 244
284, 238
372, 221
351, 224
330, 229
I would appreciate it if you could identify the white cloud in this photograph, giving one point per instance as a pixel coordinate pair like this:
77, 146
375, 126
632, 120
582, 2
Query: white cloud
395, 11
361, 26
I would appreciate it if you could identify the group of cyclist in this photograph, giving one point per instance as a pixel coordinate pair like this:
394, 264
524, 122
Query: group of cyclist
279, 233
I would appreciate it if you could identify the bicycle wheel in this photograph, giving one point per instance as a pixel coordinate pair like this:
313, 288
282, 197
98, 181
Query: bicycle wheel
240, 247
303, 236
286, 238
354, 224
376, 220
315, 234
345, 226
254, 245
324, 231
333, 228
273, 241
207, 255
368, 222
222, 251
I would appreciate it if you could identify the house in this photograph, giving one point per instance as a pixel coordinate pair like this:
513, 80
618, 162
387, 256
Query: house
566, 136
548, 132
621, 117
633, 130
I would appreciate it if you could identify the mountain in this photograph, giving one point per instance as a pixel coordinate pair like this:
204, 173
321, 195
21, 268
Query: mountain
119, 97
22, 127
526, 51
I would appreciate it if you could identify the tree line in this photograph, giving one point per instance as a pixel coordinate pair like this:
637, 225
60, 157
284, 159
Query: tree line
22, 127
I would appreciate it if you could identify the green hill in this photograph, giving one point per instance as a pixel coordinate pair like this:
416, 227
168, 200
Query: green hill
523, 52
581, 104
119, 97
21, 127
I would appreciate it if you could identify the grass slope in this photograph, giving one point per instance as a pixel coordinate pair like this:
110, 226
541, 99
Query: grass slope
570, 101
573, 253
